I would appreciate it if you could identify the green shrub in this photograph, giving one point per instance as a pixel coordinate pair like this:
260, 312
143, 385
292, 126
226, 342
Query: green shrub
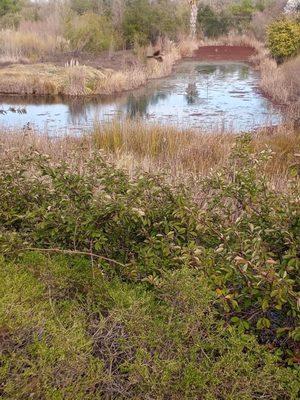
213, 23
145, 21
90, 32
139, 23
245, 239
284, 38
243, 11
10, 20
9, 7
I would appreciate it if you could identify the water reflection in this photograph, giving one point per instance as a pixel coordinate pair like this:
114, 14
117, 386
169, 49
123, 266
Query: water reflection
200, 95
138, 105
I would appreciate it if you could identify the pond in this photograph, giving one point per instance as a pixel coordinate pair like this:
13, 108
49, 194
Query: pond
214, 96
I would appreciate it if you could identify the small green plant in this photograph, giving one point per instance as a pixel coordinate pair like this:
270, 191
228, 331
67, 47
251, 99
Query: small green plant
283, 38
9, 7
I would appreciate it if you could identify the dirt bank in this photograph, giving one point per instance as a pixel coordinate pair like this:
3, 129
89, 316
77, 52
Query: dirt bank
104, 74
224, 53
118, 60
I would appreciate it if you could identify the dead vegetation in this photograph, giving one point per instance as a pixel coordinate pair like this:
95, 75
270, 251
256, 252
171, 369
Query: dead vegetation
79, 80
181, 154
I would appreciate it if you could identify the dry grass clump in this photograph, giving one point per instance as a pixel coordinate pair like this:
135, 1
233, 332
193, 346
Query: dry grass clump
32, 40
190, 152
28, 79
171, 54
119, 81
291, 73
17, 46
282, 82
182, 154
163, 147
80, 80
48, 79
233, 39
187, 46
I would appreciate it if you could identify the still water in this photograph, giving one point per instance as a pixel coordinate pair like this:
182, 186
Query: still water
221, 96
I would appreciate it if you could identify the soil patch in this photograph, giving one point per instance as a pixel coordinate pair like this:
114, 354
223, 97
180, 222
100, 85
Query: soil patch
224, 53
118, 61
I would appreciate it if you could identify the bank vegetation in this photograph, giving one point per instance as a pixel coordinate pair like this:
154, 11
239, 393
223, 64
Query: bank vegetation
143, 262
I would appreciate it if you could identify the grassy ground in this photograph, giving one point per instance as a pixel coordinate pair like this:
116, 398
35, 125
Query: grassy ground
47, 79
141, 262
68, 332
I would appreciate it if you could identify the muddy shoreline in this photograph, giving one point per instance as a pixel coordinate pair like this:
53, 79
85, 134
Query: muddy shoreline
125, 59
224, 53
123, 62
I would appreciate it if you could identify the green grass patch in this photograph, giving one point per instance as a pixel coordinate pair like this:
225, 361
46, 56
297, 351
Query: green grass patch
68, 332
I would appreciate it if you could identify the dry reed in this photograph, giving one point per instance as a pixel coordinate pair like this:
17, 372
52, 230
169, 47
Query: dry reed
183, 155
280, 82
48, 79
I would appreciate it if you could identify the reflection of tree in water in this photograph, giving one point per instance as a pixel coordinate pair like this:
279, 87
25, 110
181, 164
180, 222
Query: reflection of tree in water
78, 110
244, 72
206, 69
137, 105
192, 94
224, 70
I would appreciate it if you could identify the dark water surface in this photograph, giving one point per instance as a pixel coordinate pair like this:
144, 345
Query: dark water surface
210, 96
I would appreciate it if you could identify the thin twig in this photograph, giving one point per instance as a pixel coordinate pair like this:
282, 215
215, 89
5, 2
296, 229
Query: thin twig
73, 252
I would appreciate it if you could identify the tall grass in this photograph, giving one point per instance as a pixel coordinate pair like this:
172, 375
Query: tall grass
26, 46
32, 40
182, 154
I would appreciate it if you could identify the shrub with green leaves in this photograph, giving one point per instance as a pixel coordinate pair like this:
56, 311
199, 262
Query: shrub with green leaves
90, 32
283, 38
9, 7
145, 21
245, 238
213, 23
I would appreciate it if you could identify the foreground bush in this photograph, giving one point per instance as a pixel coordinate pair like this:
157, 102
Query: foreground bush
283, 38
243, 238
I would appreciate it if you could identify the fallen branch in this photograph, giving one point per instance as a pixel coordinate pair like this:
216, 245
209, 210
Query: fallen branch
73, 252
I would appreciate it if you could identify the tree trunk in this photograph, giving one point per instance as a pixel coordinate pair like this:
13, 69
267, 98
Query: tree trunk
193, 19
